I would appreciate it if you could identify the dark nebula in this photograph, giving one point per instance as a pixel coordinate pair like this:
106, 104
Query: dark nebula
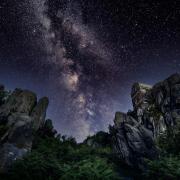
85, 55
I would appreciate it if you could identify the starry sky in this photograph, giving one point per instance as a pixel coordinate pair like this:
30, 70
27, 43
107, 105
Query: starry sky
86, 54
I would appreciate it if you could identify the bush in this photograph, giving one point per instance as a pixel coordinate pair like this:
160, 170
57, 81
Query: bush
168, 165
169, 142
59, 157
93, 168
164, 168
4, 96
100, 139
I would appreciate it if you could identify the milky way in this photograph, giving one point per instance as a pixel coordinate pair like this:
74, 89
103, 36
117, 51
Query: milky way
85, 55
78, 55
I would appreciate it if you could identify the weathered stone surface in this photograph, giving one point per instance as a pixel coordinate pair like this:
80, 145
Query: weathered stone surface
138, 95
132, 141
155, 109
19, 101
39, 113
20, 117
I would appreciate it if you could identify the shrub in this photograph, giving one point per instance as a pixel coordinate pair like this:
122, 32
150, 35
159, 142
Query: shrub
4, 96
58, 157
168, 165
164, 168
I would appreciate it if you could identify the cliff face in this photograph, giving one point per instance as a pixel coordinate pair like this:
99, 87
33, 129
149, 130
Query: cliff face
20, 116
154, 110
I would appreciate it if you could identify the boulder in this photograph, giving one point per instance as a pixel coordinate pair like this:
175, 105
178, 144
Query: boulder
133, 142
155, 109
20, 116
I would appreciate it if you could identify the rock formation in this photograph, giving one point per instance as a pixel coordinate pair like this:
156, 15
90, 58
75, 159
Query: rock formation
154, 110
20, 116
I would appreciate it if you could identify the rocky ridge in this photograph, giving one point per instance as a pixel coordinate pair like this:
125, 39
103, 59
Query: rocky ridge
21, 115
155, 109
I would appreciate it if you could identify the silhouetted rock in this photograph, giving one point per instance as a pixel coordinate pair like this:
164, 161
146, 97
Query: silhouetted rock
132, 142
20, 116
156, 109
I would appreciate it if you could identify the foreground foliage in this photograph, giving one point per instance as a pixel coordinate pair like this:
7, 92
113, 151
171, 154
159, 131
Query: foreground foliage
58, 157
168, 165
164, 168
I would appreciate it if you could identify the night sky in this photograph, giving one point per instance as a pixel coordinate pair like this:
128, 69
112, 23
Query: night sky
86, 54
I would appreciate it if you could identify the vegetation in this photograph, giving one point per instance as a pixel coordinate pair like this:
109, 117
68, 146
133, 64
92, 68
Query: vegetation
101, 139
168, 165
56, 157
3, 96
155, 112
164, 168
